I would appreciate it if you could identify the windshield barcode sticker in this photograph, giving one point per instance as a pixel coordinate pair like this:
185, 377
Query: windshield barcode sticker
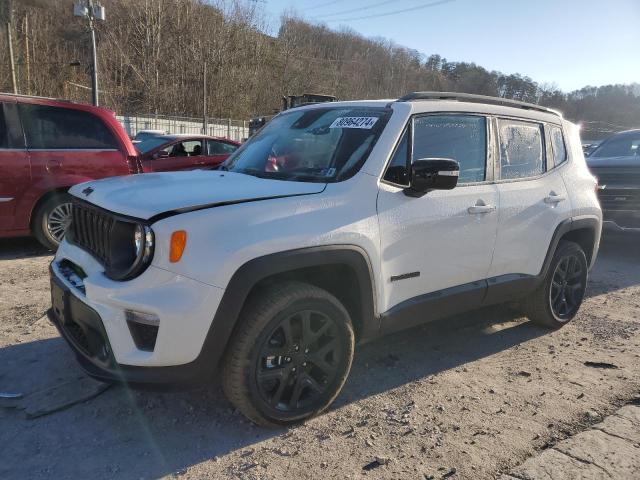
354, 122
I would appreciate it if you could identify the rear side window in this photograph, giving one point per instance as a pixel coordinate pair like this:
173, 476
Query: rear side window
220, 148
460, 137
521, 149
53, 128
557, 143
4, 137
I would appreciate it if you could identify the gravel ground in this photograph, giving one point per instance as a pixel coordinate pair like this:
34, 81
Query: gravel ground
470, 397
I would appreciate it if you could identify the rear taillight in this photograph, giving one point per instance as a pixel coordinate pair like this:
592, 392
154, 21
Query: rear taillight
133, 162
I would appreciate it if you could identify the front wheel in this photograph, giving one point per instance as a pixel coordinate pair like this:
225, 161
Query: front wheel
51, 220
290, 356
560, 295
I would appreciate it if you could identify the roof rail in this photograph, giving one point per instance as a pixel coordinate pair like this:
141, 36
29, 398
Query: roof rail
8, 94
468, 97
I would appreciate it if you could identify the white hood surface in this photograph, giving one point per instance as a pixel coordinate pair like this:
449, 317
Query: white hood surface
149, 194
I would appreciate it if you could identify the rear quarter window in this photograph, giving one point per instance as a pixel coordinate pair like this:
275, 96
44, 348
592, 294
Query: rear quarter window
53, 128
558, 145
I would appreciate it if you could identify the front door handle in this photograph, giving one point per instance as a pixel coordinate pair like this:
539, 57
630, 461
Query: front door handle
476, 209
554, 198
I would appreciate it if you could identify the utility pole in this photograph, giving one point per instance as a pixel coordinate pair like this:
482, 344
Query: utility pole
204, 97
26, 51
94, 59
92, 11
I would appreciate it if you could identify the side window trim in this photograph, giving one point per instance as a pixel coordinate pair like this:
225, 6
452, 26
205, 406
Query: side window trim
545, 161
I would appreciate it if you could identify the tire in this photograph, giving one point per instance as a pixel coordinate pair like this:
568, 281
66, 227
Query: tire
557, 300
266, 377
51, 220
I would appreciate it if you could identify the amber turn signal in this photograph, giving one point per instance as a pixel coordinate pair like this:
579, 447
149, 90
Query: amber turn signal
178, 244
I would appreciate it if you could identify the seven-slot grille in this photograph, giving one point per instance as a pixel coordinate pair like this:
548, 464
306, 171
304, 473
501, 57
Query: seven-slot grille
91, 230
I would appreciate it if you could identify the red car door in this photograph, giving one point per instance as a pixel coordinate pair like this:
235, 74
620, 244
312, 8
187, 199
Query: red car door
15, 169
178, 155
218, 151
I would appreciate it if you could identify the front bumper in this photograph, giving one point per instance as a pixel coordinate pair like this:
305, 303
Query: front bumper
82, 328
92, 319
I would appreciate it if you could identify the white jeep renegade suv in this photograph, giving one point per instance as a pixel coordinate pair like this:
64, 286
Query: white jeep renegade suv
334, 224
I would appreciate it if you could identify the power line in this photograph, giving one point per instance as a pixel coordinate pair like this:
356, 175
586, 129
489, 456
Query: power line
386, 14
356, 9
324, 4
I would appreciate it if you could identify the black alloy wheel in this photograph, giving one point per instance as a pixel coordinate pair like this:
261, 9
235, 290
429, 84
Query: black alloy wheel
298, 361
290, 354
558, 297
567, 287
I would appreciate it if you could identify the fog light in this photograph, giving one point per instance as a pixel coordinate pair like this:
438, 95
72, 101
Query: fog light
143, 328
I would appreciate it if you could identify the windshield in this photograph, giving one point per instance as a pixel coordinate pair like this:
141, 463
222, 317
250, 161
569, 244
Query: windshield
150, 143
624, 145
317, 145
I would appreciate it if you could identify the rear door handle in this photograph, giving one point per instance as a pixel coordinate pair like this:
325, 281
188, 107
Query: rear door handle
476, 209
554, 198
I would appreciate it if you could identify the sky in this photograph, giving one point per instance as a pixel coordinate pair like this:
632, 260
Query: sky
570, 43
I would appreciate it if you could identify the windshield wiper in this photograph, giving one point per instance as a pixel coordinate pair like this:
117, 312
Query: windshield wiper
279, 175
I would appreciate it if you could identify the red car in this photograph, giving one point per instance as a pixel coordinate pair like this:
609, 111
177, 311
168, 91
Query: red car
48, 145
183, 152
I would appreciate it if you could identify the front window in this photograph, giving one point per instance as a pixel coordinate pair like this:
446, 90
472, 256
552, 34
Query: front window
317, 145
460, 137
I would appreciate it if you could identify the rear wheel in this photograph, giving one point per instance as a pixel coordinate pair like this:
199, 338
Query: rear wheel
560, 295
291, 355
51, 220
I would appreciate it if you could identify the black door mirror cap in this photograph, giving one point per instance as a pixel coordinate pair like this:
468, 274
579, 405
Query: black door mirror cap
429, 174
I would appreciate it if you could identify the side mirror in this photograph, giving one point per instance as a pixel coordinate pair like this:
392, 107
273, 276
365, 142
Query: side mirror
432, 174
161, 154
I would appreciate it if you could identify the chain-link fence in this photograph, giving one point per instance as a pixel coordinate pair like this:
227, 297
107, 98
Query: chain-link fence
218, 127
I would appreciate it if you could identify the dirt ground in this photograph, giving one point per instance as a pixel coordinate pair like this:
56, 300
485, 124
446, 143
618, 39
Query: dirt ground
469, 397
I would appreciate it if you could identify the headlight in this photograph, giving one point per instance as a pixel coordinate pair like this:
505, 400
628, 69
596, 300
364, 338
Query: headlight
123, 245
138, 239
131, 250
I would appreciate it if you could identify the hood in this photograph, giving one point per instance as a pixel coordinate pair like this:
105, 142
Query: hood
614, 162
148, 195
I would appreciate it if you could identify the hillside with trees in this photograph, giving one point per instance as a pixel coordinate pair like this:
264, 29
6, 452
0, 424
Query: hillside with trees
151, 55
